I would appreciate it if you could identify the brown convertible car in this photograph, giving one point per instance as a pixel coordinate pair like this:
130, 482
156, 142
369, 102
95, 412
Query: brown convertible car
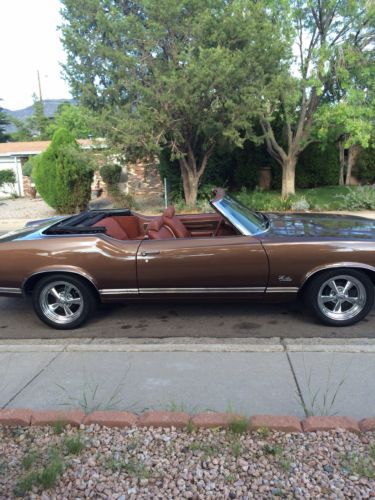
69, 264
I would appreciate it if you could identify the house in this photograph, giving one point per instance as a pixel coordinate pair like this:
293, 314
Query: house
141, 179
13, 155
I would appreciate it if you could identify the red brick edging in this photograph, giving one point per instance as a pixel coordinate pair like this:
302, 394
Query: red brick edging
25, 417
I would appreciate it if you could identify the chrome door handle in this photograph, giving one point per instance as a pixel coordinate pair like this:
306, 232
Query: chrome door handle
151, 252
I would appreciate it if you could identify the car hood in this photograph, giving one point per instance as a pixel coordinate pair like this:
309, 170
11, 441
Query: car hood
320, 226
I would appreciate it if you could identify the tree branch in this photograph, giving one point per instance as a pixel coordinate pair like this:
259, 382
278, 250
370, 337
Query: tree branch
205, 159
273, 147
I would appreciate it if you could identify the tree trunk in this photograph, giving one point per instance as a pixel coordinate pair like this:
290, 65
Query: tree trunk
353, 153
192, 171
289, 175
341, 147
190, 182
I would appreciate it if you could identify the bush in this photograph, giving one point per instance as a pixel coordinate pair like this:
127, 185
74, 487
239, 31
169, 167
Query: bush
264, 200
318, 166
300, 205
27, 169
63, 174
359, 198
365, 170
7, 176
111, 174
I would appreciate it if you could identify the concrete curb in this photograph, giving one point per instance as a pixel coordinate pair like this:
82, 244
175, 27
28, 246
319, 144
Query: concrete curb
206, 420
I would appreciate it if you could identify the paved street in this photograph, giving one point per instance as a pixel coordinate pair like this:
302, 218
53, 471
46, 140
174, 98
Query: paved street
170, 319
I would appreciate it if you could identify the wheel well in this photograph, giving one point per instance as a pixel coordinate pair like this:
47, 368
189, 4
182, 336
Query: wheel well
30, 283
368, 272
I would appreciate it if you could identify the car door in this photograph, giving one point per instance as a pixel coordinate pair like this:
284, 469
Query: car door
207, 265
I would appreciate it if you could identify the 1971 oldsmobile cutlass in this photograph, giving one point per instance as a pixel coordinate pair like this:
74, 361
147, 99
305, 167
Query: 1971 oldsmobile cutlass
69, 264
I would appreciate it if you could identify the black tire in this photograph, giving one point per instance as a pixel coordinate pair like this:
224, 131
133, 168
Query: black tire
80, 300
347, 307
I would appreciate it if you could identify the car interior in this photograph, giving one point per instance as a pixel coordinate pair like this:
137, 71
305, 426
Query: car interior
135, 226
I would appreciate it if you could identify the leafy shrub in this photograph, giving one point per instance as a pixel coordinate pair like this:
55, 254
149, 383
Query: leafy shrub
111, 174
264, 200
7, 176
123, 200
365, 171
27, 169
360, 198
63, 174
318, 166
300, 205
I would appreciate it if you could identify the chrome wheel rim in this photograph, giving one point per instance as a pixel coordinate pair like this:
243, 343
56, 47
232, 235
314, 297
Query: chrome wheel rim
342, 297
61, 302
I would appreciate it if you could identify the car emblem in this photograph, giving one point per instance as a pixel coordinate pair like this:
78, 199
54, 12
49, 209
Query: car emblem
285, 278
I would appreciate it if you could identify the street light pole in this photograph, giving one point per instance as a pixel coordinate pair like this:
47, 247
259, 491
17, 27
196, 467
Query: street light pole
40, 87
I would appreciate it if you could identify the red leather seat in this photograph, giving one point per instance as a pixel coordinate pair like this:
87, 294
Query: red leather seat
131, 225
156, 230
174, 224
113, 228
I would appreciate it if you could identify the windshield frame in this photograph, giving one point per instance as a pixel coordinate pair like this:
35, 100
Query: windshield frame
233, 211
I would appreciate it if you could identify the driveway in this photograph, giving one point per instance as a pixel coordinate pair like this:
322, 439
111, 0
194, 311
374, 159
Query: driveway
171, 319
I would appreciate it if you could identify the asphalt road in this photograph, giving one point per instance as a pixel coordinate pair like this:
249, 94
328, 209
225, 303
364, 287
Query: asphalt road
171, 319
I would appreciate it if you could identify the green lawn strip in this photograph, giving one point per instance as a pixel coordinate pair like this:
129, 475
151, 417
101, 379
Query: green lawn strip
323, 198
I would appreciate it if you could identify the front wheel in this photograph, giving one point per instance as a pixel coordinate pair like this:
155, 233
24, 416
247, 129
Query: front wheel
63, 302
340, 297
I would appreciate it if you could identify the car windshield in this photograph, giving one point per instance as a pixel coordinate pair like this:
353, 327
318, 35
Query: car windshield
245, 220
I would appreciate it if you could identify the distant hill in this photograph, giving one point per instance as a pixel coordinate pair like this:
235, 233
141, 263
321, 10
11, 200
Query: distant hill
50, 108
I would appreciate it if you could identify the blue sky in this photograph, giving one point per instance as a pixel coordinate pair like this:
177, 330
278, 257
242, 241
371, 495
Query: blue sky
29, 41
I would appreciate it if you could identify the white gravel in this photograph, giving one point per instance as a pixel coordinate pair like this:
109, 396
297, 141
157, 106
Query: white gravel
167, 464
25, 208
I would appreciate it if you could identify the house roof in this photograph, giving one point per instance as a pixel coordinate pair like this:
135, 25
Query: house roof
35, 147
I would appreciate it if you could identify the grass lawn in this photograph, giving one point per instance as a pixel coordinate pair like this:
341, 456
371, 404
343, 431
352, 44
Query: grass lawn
323, 198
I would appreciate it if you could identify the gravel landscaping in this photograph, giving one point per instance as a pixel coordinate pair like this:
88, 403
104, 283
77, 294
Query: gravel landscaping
99, 462
25, 208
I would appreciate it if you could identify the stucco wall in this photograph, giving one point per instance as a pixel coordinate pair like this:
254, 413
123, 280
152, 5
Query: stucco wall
14, 164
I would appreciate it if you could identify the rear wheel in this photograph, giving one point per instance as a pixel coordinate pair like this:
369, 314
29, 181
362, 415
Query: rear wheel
63, 302
340, 297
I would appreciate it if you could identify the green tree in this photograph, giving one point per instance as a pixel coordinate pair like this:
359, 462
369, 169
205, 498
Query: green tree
63, 174
181, 75
4, 121
75, 119
36, 127
324, 32
348, 119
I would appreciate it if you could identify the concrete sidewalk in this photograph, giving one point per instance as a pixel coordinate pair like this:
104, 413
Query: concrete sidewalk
250, 376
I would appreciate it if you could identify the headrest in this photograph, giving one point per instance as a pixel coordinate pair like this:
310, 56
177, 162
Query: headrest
169, 212
154, 225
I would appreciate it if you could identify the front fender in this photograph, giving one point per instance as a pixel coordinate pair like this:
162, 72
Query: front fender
337, 265
57, 269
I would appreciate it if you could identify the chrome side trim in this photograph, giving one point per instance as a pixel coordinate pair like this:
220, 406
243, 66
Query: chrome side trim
239, 289
118, 291
282, 289
13, 291
146, 291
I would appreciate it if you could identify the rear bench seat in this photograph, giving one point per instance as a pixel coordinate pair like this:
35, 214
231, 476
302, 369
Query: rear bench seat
126, 227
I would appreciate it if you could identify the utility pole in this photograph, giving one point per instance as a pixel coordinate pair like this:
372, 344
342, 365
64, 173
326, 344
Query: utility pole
40, 87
